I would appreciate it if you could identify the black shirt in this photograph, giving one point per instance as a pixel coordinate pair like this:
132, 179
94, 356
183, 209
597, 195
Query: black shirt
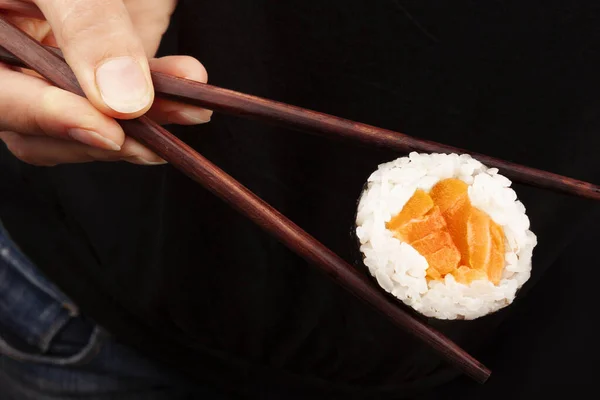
172, 270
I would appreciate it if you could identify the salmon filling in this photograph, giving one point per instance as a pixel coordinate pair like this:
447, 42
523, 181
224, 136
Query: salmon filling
453, 236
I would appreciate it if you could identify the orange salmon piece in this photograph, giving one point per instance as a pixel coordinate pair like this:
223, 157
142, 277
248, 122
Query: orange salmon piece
467, 275
452, 235
497, 261
417, 206
419, 228
447, 192
457, 218
444, 260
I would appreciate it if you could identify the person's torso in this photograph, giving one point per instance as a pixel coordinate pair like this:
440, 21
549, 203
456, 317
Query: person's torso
490, 78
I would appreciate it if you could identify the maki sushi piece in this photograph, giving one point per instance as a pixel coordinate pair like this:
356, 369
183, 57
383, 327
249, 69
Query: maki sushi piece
445, 235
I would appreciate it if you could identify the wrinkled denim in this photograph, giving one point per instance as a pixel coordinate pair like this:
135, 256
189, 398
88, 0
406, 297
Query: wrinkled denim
49, 350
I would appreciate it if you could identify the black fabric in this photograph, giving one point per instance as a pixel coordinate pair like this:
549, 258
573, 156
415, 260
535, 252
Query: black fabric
172, 270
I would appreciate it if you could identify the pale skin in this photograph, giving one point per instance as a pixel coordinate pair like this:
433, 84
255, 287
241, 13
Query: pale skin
110, 45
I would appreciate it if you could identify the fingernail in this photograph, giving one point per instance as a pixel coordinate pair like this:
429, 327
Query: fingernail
189, 117
92, 138
140, 160
123, 85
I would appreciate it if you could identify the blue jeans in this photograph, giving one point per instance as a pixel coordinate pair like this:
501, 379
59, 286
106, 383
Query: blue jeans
49, 350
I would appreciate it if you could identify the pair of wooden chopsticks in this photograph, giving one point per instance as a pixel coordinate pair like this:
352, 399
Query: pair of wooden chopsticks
22, 50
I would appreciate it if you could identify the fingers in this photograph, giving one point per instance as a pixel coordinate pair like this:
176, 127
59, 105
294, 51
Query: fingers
102, 48
47, 151
36, 109
102, 45
31, 106
170, 112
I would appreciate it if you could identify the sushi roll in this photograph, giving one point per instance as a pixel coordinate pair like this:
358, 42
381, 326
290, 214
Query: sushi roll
445, 235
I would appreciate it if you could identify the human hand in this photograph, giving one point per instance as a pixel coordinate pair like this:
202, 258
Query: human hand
109, 45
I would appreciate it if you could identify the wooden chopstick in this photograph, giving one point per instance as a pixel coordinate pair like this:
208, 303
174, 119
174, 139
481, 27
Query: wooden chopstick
201, 170
273, 112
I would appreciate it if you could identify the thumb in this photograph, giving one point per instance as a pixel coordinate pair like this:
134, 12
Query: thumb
100, 45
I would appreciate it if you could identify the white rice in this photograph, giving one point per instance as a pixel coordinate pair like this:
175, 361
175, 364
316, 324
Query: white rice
400, 269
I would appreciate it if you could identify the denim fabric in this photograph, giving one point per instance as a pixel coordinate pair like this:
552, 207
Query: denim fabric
49, 350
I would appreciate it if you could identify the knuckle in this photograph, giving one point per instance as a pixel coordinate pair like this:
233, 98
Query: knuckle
45, 108
57, 108
50, 101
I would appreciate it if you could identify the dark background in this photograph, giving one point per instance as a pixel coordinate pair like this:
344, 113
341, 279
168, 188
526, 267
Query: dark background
142, 250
